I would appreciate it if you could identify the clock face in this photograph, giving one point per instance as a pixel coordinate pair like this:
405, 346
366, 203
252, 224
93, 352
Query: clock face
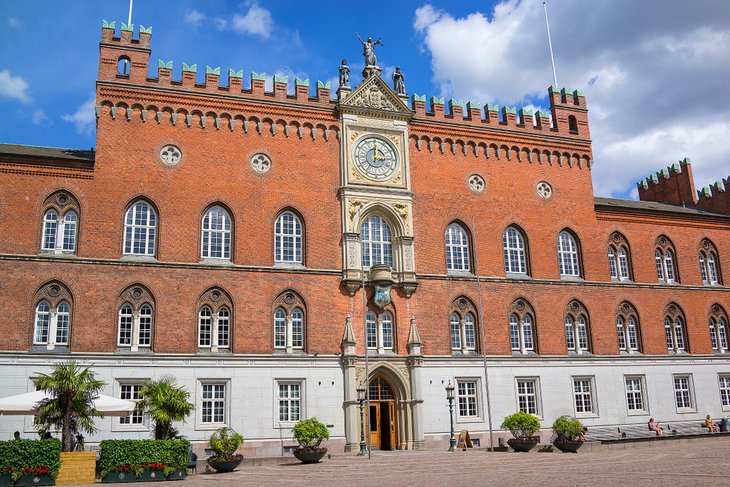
375, 158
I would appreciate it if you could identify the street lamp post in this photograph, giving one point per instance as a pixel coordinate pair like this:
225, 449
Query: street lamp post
361, 400
450, 397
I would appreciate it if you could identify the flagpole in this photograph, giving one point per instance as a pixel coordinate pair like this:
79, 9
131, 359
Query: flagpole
365, 329
129, 18
484, 339
550, 44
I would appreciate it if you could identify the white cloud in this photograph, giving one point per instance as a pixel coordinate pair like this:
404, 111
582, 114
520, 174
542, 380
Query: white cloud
15, 23
194, 17
257, 21
655, 78
14, 87
84, 118
39, 117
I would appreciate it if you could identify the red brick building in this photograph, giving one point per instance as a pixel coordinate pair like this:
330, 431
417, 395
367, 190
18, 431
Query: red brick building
219, 233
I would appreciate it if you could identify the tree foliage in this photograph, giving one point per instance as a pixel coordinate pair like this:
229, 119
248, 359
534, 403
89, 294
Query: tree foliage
70, 405
309, 433
224, 444
521, 425
567, 428
164, 402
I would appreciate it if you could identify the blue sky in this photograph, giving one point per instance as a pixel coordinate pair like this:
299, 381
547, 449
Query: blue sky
655, 72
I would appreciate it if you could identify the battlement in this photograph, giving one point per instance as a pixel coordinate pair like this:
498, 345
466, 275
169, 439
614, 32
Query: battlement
675, 185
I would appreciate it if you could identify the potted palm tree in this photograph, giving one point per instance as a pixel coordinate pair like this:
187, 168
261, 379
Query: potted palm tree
568, 434
224, 444
310, 433
523, 427
164, 402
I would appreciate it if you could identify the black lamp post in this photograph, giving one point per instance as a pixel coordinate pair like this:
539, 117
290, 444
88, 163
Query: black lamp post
361, 400
450, 397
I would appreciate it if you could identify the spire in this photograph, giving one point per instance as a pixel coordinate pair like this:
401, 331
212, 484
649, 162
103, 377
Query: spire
414, 339
348, 338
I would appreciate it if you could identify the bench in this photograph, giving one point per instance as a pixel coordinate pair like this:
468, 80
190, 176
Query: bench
641, 431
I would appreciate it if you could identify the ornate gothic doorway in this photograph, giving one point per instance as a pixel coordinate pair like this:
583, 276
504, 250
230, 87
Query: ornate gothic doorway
382, 418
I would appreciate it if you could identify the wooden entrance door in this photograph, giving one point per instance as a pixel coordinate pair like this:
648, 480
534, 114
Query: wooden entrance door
382, 419
374, 425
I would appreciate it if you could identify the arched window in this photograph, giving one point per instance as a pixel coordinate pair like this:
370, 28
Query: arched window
387, 320
576, 328
52, 316
515, 254
140, 229
216, 234
123, 66
60, 222
375, 238
618, 257
135, 318
665, 262
568, 258
627, 328
674, 329
457, 249
288, 238
718, 329
289, 322
521, 327
462, 325
709, 263
380, 331
214, 319
572, 124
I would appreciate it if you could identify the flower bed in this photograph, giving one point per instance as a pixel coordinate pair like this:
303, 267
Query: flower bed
142, 460
30, 462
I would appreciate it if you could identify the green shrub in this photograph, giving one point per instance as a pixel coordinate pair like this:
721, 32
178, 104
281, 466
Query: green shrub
521, 425
17, 455
138, 454
224, 444
309, 433
567, 428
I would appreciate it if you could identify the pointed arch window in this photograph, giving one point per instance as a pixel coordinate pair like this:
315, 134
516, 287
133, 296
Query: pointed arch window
709, 263
52, 320
463, 325
289, 322
514, 250
718, 322
457, 249
619, 264
140, 229
665, 261
214, 320
216, 234
675, 330
521, 327
376, 241
135, 319
568, 255
379, 331
60, 223
288, 241
577, 336
627, 328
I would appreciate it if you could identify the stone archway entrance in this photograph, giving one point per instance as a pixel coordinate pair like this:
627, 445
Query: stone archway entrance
382, 419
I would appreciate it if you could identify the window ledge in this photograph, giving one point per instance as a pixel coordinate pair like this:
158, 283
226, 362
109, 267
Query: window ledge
53, 253
517, 275
571, 278
686, 410
530, 353
625, 353
637, 412
43, 348
138, 258
213, 261
621, 280
375, 353
469, 419
298, 352
455, 273
208, 351
584, 353
289, 265
587, 415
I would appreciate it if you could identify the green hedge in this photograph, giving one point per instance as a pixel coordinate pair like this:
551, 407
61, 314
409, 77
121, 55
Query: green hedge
20, 454
120, 453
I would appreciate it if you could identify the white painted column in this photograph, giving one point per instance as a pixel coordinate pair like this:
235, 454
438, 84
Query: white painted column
52, 329
462, 333
135, 330
289, 335
521, 329
379, 329
214, 334
578, 349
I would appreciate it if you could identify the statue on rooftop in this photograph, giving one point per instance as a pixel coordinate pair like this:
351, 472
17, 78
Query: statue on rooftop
344, 74
399, 85
368, 49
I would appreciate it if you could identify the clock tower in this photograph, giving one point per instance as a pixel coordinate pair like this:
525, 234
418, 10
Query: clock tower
375, 185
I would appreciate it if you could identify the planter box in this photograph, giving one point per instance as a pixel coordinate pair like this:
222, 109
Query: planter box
118, 477
151, 475
77, 468
178, 474
6, 481
34, 479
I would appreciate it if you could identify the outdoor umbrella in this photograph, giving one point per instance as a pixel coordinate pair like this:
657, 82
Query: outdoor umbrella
27, 403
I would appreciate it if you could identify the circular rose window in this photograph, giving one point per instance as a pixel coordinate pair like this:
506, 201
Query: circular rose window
170, 155
544, 190
476, 183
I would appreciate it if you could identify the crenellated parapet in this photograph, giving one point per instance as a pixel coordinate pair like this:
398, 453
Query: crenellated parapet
715, 197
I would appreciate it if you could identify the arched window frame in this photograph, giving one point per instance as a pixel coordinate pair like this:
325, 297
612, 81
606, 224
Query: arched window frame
522, 327
718, 322
140, 229
569, 258
628, 330
463, 326
52, 316
709, 263
124, 66
60, 228
135, 331
665, 257
216, 234
216, 324
288, 238
577, 329
619, 258
289, 315
515, 252
572, 124
458, 248
376, 239
675, 329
